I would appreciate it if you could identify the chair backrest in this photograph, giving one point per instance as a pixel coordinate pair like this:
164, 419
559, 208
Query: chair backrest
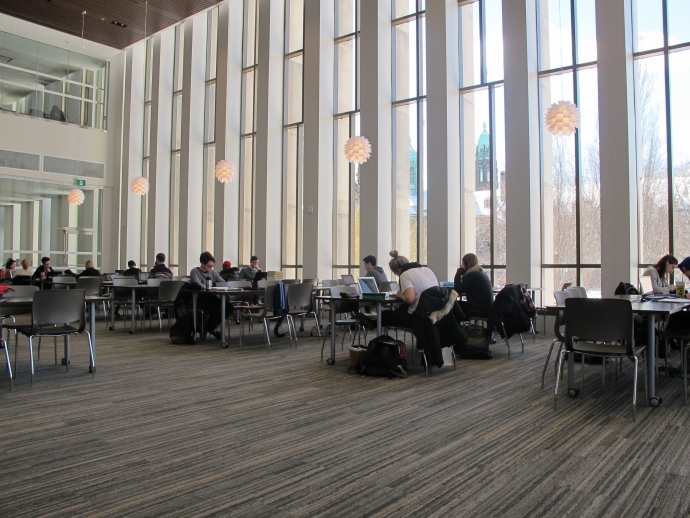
560, 297
313, 282
291, 281
57, 307
63, 279
168, 290
125, 281
331, 282
265, 284
21, 291
156, 281
239, 284
566, 286
91, 285
599, 320
574, 292
582, 291
268, 297
646, 284
299, 295
388, 286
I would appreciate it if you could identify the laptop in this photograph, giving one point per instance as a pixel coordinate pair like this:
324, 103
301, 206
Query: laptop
368, 285
348, 279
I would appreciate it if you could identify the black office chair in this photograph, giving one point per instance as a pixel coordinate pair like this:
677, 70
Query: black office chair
601, 328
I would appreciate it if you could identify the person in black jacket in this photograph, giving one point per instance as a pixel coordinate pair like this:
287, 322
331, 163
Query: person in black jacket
44, 269
472, 282
89, 271
132, 269
160, 270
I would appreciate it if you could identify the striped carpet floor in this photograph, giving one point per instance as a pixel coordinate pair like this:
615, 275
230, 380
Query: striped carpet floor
166, 430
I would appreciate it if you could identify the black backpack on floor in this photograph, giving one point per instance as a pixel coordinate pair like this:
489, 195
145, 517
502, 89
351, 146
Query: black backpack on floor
382, 358
477, 345
182, 331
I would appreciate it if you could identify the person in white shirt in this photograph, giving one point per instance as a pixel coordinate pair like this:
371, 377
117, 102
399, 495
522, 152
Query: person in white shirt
659, 273
26, 269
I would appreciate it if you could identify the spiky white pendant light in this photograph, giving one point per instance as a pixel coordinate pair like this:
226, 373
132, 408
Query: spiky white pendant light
140, 186
76, 197
357, 149
225, 171
562, 118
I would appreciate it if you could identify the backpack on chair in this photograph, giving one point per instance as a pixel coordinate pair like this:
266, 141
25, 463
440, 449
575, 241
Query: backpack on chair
382, 358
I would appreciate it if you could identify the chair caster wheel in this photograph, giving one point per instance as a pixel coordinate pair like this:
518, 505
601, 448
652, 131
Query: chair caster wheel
92, 369
65, 362
111, 328
573, 392
330, 361
301, 329
131, 331
224, 345
655, 402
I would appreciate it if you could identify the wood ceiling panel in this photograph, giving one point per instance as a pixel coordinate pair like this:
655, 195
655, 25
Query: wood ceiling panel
65, 16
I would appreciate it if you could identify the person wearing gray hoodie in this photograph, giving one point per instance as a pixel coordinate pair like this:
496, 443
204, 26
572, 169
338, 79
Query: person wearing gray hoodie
374, 271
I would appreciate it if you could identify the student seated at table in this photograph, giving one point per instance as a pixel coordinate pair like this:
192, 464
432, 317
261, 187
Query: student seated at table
414, 279
89, 271
209, 304
230, 272
374, 271
249, 272
44, 269
11, 264
660, 272
132, 269
25, 270
473, 284
160, 270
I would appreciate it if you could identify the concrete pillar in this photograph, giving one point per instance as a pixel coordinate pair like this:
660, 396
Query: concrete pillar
523, 250
443, 137
192, 150
319, 32
619, 245
226, 226
376, 229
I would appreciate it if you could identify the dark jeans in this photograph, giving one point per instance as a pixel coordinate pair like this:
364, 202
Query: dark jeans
210, 305
398, 317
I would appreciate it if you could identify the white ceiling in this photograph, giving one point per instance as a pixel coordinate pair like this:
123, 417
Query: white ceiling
55, 38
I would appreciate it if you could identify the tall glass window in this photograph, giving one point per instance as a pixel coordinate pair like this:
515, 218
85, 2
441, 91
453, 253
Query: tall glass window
293, 139
208, 200
346, 251
571, 193
662, 74
148, 77
482, 143
409, 129
176, 145
248, 129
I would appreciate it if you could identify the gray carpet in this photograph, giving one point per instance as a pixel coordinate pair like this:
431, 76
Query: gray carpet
166, 430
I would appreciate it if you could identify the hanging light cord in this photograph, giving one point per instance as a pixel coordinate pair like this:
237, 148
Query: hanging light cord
83, 19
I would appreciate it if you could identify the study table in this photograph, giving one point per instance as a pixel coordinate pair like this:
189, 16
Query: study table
92, 300
652, 310
389, 300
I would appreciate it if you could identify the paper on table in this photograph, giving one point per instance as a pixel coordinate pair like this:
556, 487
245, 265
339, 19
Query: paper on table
673, 299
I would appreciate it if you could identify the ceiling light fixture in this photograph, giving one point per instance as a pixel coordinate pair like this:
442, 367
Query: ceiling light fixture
140, 186
225, 171
76, 197
119, 24
357, 149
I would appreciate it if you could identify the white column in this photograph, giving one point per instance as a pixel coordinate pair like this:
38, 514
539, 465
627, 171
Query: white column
132, 151
161, 145
523, 249
319, 32
443, 137
376, 124
619, 246
228, 111
269, 135
192, 150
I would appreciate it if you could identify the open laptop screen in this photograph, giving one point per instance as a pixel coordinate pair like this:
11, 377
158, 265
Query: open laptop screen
368, 285
348, 279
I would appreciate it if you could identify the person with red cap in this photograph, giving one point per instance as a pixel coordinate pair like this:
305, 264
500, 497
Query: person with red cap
230, 273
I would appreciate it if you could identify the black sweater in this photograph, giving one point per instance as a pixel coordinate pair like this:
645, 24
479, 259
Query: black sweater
476, 287
89, 272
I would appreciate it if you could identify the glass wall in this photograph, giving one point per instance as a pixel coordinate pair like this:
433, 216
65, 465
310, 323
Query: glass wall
48, 82
293, 139
175, 146
482, 142
409, 129
662, 74
148, 76
571, 210
248, 129
346, 252
36, 220
209, 192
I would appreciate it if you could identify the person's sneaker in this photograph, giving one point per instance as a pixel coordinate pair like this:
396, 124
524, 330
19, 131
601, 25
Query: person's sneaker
367, 322
278, 333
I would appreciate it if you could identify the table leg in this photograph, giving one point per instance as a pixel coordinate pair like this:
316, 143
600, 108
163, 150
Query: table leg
194, 315
378, 319
112, 314
331, 360
223, 341
134, 297
572, 390
92, 333
654, 401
